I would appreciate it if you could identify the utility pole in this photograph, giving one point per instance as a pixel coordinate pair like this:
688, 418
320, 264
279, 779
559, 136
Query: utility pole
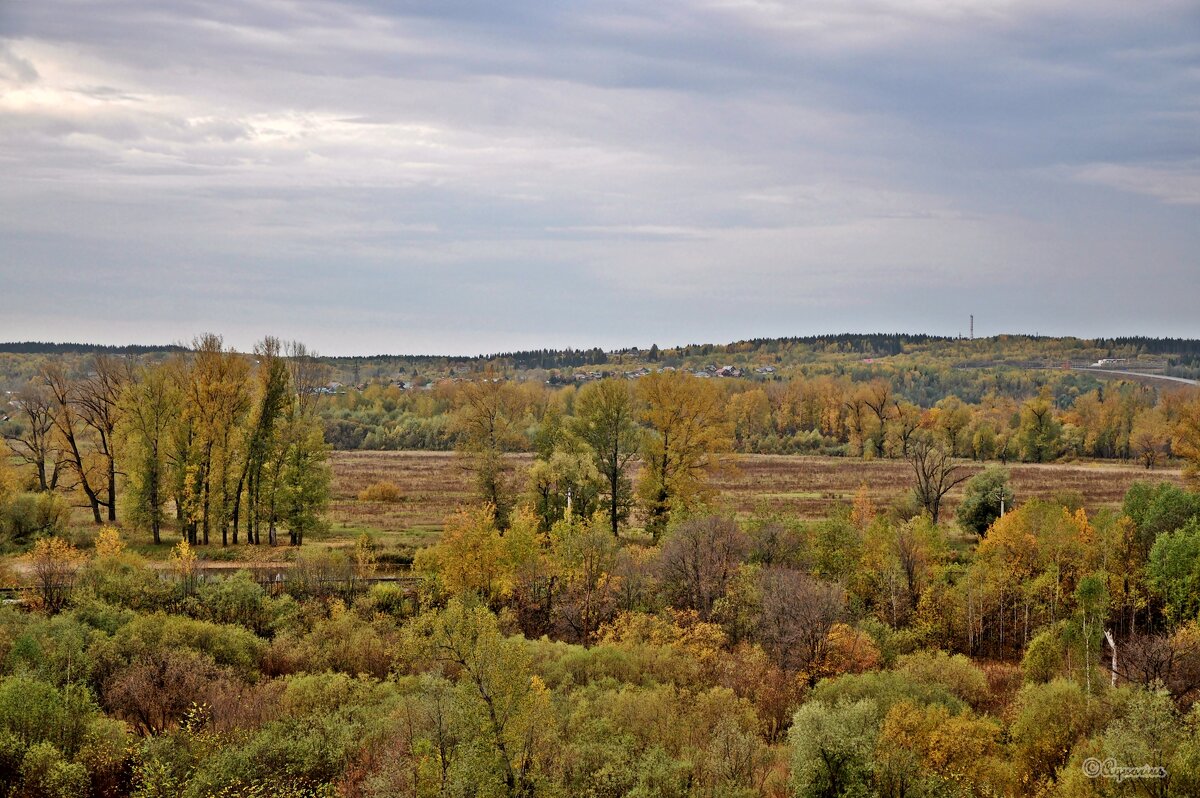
972, 326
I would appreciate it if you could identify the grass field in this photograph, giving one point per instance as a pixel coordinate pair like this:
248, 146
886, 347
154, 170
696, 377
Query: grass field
433, 484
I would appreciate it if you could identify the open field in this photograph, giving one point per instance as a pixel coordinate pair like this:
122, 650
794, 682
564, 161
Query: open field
433, 484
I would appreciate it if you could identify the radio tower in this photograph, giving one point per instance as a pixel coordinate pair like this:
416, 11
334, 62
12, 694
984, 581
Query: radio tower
972, 326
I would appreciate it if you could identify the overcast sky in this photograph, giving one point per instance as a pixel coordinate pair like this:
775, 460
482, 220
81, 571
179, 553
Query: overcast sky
463, 177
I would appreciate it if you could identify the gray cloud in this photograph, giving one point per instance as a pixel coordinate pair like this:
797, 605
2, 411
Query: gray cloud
451, 176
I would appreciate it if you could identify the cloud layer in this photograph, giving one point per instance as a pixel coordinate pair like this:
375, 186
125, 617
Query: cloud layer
460, 177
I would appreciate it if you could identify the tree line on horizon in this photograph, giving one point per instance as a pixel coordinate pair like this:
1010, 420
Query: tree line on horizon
1024, 420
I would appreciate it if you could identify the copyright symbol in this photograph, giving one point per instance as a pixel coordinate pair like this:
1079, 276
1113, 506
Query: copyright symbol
1092, 767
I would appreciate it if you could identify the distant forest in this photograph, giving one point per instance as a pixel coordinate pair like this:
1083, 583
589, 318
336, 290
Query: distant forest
1184, 349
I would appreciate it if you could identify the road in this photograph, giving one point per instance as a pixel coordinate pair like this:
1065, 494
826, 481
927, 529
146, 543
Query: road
1137, 374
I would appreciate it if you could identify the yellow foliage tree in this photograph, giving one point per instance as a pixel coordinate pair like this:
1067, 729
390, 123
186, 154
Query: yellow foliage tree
1187, 439
471, 558
849, 651
54, 563
108, 543
184, 565
689, 434
962, 748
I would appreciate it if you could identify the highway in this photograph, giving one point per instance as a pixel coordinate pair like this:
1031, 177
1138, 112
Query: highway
1137, 374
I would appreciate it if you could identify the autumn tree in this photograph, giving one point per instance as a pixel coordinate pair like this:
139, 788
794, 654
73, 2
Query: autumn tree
606, 419
935, 471
1149, 439
487, 420
150, 409
688, 434
470, 559
951, 419
1187, 438
584, 557
215, 400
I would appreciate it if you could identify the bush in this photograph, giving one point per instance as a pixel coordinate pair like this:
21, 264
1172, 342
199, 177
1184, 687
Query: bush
1050, 719
31, 515
33, 711
885, 689
382, 491
153, 635
955, 673
832, 748
45, 772
1044, 656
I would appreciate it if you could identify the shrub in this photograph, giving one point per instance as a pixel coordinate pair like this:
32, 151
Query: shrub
54, 565
1044, 656
382, 491
885, 689
153, 635
955, 672
30, 515
832, 748
46, 772
1050, 719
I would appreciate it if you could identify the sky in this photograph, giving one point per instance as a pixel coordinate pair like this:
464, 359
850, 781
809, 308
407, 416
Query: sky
463, 177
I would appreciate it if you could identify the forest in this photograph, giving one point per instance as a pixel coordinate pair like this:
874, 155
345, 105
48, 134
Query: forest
593, 619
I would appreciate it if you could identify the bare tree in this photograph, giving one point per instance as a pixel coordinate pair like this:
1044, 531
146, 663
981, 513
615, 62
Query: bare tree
797, 613
72, 432
1173, 661
31, 435
936, 472
878, 397
98, 398
155, 692
699, 560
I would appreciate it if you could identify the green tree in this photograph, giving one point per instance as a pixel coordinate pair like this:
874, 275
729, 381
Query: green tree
983, 496
833, 749
151, 407
1174, 572
565, 483
1040, 431
505, 710
606, 419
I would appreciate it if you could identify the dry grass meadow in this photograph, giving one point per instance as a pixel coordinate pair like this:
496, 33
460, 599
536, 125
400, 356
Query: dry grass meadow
433, 484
